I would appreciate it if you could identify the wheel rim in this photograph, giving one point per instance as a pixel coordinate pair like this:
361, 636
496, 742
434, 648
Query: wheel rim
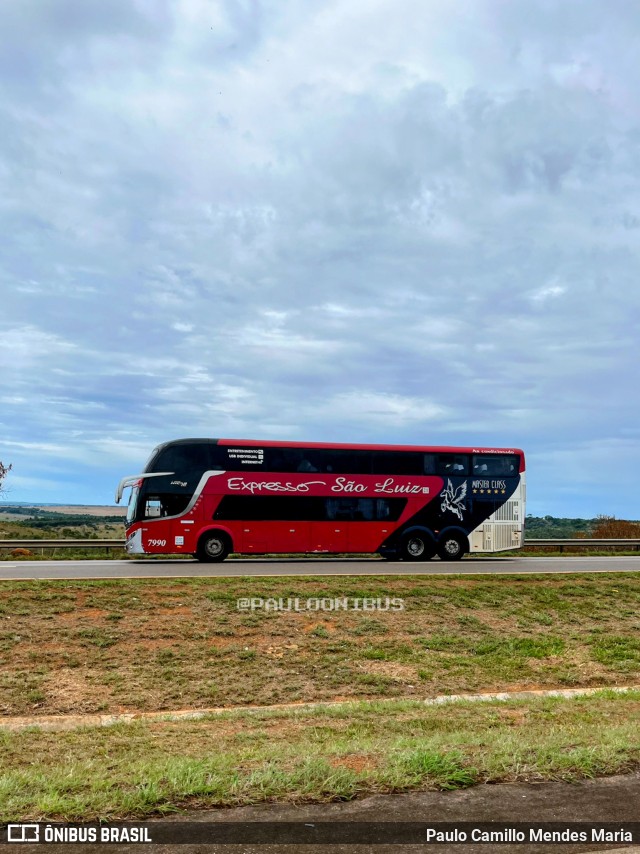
214, 547
415, 547
452, 547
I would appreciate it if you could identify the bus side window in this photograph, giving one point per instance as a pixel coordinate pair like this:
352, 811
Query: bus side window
274, 461
456, 464
350, 509
217, 458
495, 465
429, 464
153, 507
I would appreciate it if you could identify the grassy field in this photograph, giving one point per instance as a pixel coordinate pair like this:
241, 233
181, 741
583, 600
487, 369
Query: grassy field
360, 748
145, 645
122, 645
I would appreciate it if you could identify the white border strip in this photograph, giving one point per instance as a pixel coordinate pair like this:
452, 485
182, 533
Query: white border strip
67, 722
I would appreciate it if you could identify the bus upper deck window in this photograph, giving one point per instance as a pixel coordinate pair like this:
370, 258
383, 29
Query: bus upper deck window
429, 464
453, 464
496, 465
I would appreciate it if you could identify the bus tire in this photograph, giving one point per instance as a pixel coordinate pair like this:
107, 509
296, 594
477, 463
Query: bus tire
417, 545
213, 547
451, 547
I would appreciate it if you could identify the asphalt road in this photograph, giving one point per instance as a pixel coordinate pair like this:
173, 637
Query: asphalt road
79, 569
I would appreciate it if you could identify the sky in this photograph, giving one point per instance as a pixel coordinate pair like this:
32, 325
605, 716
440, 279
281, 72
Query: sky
398, 221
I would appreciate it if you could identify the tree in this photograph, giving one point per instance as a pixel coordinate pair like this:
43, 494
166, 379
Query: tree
4, 471
610, 527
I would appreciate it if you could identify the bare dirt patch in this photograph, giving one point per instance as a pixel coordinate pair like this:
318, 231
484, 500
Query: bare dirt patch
354, 762
513, 717
391, 669
69, 691
83, 614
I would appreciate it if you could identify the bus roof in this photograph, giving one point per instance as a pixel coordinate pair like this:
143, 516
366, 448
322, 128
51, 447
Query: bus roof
346, 446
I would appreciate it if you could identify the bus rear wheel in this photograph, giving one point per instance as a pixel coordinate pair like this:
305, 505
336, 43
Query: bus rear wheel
416, 546
451, 547
213, 547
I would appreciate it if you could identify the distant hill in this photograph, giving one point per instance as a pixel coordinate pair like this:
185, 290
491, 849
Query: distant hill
22, 508
56, 520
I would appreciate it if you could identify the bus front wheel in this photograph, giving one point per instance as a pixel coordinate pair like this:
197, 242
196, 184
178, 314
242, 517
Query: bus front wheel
416, 546
451, 547
213, 547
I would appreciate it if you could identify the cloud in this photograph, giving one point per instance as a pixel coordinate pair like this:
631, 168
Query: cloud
547, 292
389, 411
267, 219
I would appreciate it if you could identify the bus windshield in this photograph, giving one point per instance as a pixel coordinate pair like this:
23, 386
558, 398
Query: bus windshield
133, 502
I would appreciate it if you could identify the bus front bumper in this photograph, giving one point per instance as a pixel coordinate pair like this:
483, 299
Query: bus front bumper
133, 546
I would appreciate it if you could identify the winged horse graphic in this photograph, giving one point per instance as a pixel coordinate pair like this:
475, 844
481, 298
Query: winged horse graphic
453, 499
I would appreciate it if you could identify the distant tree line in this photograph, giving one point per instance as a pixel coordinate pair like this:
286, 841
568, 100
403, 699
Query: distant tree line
54, 516
609, 526
53, 519
602, 527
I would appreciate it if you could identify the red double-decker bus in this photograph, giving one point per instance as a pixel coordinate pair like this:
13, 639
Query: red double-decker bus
213, 497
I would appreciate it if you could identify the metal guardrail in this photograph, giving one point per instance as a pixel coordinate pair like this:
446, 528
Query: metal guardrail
61, 544
584, 543
561, 544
